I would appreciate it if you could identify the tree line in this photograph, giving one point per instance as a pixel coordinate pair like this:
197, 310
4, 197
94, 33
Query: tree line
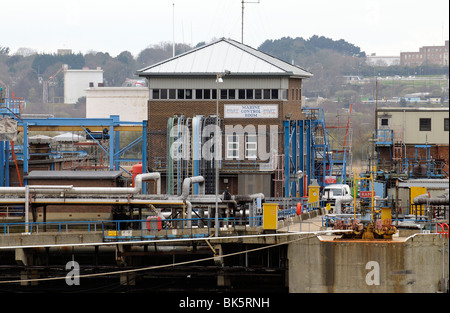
329, 60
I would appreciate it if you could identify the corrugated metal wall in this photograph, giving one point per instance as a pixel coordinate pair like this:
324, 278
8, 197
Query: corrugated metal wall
228, 83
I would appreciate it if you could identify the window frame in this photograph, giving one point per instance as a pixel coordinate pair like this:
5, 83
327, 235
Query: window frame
232, 147
423, 126
254, 150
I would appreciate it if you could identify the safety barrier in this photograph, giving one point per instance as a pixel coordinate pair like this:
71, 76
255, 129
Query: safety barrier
59, 227
149, 228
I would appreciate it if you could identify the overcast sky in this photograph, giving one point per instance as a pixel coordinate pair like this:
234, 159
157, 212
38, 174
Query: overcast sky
384, 27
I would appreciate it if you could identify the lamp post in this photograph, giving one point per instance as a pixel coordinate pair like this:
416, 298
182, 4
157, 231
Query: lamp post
216, 150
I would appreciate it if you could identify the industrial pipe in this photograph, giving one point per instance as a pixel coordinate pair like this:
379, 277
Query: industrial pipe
187, 186
426, 199
189, 214
46, 189
248, 198
185, 193
340, 200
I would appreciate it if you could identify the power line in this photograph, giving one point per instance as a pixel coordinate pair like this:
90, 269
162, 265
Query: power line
160, 266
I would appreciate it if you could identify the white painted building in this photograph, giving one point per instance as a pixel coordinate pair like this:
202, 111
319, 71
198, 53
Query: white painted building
415, 126
130, 103
77, 81
383, 60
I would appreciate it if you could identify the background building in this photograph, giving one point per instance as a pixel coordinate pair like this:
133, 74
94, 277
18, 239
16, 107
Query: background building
77, 81
375, 60
427, 55
414, 141
130, 103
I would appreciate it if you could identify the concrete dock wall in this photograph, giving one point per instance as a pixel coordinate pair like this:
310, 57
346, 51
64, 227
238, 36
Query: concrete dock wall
413, 265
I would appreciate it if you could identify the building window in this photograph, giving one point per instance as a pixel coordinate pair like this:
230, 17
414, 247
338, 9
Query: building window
199, 94
223, 93
446, 124
155, 94
232, 146
425, 124
274, 93
251, 146
384, 122
163, 94
258, 94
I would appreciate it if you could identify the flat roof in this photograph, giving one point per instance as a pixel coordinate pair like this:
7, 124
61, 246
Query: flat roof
413, 109
58, 175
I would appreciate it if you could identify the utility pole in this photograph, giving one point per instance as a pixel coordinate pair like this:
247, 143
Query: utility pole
242, 28
173, 29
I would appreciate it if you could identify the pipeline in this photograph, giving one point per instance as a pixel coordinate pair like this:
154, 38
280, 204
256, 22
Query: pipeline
186, 190
340, 200
247, 198
187, 185
48, 189
426, 199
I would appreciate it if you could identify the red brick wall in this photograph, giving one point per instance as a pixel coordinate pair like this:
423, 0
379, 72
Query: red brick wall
159, 111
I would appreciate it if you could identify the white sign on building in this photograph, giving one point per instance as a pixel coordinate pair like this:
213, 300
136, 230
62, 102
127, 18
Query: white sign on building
251, 111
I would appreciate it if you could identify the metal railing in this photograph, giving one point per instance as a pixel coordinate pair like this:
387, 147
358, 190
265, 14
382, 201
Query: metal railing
384, 137
59, 227
141, 229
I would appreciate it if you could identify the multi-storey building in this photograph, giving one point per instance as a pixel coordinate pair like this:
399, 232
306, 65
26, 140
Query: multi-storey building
254, 94
426, 55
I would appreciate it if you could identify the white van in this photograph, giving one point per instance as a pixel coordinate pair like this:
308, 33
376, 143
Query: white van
331, 192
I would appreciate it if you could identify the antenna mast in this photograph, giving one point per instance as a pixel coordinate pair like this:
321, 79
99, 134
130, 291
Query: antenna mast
242, 29
173, 29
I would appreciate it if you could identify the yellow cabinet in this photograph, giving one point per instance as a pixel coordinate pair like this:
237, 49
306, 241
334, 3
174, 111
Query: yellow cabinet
270, 216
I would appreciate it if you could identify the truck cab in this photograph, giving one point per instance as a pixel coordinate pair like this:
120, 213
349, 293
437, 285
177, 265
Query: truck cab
331, 192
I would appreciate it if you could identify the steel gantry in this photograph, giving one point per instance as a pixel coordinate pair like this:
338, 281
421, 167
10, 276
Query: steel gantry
307, 153
297, 161
10, 111
112, 126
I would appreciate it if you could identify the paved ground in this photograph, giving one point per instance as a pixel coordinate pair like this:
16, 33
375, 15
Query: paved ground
309, 225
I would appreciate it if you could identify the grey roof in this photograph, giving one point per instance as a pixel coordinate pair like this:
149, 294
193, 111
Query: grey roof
429, 183
413, 109
58, 175
223, 54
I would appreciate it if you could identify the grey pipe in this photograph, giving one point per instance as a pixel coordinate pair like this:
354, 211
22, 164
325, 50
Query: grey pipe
185, 193
248, 198
187, 186
189, 214
426, 199
46, 189
340, 200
